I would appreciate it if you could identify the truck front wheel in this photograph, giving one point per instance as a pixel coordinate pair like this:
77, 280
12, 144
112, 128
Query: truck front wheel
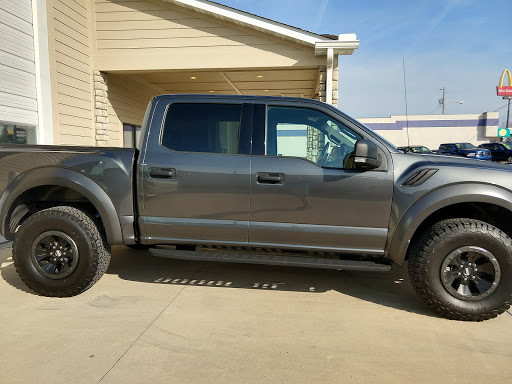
462, 268
60, 252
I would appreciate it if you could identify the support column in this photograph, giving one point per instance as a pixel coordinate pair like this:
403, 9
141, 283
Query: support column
100, 108
321, 87
335, 82
324, 88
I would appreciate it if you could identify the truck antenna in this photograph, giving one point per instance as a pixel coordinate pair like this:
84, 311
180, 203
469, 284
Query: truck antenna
406, 111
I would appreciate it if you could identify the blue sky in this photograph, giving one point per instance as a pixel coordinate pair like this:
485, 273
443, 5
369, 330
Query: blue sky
463, 45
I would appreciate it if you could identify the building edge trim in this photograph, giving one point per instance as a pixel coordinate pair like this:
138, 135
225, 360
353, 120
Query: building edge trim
45, 134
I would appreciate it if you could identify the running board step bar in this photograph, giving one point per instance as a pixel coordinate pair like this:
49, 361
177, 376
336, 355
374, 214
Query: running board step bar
290, 261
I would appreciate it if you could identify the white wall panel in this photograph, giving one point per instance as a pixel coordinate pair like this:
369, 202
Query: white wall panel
18, 97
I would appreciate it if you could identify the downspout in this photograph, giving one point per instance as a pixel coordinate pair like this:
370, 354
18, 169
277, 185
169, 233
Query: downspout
330, 72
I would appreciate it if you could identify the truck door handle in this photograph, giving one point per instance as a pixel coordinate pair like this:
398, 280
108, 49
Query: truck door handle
270, 178
162, 173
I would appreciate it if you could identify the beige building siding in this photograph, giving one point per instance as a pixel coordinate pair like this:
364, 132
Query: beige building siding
145, 35
71, 71
127, 102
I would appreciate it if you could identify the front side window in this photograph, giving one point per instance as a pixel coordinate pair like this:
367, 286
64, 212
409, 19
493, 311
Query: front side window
210, 128
310, 134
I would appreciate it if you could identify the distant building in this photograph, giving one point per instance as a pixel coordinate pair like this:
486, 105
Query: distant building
432, 130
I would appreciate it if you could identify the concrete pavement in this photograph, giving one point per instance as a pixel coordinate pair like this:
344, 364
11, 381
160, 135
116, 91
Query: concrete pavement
151, 320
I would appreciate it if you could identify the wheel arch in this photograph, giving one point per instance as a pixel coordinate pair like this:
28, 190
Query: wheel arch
81, 185
444, 203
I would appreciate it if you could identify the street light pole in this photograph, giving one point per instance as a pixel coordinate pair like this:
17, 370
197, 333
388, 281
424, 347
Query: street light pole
508, 114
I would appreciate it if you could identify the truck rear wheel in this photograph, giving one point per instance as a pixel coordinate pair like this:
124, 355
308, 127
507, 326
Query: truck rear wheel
462, 268
60, 252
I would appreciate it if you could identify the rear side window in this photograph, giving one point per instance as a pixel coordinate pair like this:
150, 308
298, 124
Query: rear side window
211, 128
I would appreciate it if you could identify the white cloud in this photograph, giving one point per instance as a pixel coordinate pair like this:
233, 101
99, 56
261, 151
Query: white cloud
320, 16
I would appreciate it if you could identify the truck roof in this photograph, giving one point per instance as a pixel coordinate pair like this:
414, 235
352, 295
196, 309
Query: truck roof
240, 97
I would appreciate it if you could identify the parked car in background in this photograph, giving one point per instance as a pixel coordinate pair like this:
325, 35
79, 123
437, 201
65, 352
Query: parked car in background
415, 149
464, 150
499, 151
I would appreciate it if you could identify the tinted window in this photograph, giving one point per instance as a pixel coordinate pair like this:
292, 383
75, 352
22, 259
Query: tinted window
310, 134
420, 149
213, 128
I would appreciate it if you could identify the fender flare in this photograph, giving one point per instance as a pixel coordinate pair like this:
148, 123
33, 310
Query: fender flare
64, 177
436, 200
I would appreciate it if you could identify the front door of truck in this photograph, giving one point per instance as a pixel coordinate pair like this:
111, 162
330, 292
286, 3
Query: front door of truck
194, 176
306, 191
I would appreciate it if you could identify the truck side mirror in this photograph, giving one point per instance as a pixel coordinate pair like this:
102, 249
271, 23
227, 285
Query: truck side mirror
366, 155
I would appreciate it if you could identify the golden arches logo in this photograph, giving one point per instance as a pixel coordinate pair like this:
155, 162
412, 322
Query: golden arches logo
505, 90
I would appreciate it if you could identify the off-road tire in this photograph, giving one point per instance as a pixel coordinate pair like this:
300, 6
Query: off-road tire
83, 229
429, 250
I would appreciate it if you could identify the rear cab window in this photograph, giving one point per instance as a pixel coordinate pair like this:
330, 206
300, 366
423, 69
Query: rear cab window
206, 128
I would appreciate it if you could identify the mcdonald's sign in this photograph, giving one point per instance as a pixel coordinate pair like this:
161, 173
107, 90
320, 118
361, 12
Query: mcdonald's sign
505, 90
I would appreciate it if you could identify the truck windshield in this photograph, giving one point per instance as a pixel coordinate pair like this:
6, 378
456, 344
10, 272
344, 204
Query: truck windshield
465, 145
420, 149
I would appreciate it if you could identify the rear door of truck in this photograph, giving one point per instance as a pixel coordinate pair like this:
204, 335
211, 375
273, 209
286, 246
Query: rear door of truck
194, 174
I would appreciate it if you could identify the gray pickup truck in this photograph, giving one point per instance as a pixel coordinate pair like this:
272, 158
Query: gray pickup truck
262, 180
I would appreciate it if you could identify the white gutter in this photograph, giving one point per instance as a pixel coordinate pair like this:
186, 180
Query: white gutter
345, 45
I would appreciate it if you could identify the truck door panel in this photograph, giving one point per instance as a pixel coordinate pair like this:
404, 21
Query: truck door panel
195, 178
321, 201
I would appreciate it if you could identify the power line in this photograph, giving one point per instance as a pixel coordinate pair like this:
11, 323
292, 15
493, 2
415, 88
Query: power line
500, 107
434, 110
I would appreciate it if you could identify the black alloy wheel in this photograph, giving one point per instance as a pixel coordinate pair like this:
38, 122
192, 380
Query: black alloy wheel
470, 273
55, 254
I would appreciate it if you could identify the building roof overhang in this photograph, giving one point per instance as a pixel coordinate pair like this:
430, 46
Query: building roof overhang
344, 45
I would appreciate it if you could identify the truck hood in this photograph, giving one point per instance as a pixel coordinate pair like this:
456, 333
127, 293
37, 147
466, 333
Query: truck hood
466, 162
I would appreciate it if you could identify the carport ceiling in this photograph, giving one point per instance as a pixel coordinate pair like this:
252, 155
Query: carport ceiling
271, 82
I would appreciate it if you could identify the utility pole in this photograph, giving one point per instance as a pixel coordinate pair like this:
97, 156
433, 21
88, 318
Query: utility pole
443, 100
